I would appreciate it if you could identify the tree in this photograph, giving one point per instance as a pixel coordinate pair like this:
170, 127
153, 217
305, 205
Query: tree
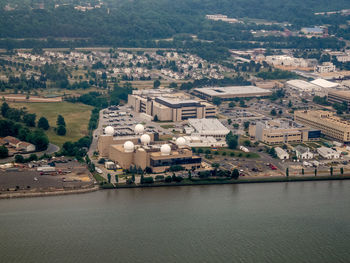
331, 171
155, 118
29, 119
290, 104
4, 108
109, 178
19, 158
231, 104
341, 170
302, 171
315, 171
287, 171
246, 125
116, 178
235, 174
189, 174
156, 84
4, 152
43, 123
232, 141
273, 112
215, 165
61, 130
60, 121
217, 101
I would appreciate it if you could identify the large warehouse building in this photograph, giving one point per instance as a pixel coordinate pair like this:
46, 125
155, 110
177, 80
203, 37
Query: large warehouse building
329, 124
230, 92
166, 105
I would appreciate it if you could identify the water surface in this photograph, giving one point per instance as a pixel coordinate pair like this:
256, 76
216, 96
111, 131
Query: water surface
272, 222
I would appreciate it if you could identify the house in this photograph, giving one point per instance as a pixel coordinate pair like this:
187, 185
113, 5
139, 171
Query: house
328, 153
2, 142
303, 152
282, 154
25, 147
12, 141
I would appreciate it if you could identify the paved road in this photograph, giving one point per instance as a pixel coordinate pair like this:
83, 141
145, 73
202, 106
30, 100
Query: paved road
52, 148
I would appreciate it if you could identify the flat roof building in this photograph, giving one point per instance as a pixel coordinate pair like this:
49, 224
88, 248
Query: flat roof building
325, 84
282, 131
166, 105
302, 85
339, 96
230, 92
325, 121
142, 151
208, 127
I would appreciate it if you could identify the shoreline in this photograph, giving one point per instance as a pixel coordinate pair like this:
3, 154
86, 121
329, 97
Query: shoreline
239, 181
192, 183
53, 193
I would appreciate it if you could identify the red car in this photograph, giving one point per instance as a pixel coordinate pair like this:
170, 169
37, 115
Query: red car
273, 167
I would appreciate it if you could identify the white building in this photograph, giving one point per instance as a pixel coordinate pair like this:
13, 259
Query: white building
302, 86
282, 154
328, 153
325, 67
208, 128
303, 152
325, 84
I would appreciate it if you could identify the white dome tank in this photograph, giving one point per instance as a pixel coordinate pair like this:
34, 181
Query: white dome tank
109, 130
145, 139
180, 141
129, 146
139, 128
165, 149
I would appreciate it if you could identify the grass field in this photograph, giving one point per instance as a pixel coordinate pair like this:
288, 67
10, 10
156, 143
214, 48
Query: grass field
76, 117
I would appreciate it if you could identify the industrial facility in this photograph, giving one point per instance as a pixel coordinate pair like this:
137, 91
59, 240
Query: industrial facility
143, 152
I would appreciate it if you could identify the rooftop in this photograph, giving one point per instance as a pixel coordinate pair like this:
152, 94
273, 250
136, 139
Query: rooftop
342, 93
232, 90
324, 83
208, 126
302, 85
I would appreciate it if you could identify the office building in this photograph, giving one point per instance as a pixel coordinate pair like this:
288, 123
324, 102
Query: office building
325, 121
282, 131
166, 105
337, 96
227, 93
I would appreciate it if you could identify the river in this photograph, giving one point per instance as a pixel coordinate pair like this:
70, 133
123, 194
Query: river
270, 222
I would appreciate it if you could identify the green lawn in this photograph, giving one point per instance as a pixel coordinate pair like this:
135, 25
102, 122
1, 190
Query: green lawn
168, 126
76, 116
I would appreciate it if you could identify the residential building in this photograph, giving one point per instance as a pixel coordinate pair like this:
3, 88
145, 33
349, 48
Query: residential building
328, 153
282, 154
227, 93
170, 106
312, 30
303, 152
25, 147
282, 131
325, 121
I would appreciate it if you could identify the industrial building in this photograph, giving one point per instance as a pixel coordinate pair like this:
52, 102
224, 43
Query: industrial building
302, 86
282, 154
143, 152
282, 131
325, 84
166, 105
328, 153
205, 133
325, 121
337, 96
303, 152
230, 92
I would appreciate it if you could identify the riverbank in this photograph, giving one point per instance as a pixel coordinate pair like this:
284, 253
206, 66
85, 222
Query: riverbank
53, 193
195, 182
